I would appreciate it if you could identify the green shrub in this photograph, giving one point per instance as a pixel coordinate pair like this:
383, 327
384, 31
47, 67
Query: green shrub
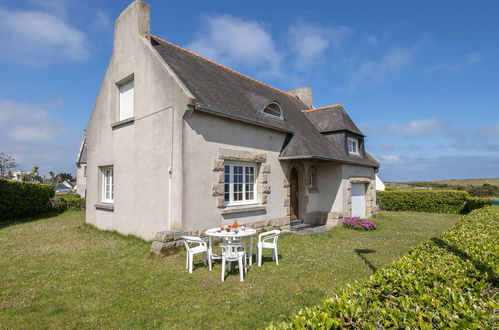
21, 199
437, 201
68, 202
449, 281
473, 203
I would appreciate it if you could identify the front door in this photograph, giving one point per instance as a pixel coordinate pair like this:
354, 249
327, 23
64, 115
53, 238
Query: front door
293, 188
358, 200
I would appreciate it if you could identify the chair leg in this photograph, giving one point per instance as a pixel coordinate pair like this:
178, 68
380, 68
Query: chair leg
191, 257
223, 269
273, 255
259, 250
187, 260
276, 256
241, 269
230, 266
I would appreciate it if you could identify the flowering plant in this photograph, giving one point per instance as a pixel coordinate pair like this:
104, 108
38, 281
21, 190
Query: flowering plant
359, 223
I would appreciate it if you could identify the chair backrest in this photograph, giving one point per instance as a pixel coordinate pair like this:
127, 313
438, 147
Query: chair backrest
231, 250
192, 239
269, 235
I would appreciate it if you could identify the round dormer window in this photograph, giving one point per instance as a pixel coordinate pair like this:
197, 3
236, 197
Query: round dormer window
273, 109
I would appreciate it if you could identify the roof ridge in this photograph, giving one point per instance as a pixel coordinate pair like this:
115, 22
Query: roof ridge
224, 67
323, 108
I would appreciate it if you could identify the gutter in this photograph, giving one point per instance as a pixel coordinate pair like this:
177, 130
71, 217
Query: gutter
326, 158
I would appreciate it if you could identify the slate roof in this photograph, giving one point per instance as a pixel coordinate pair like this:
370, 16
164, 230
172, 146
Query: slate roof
82, 154
224, 92
332, 119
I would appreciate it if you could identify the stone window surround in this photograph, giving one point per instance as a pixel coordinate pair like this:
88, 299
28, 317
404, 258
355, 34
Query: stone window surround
235, 155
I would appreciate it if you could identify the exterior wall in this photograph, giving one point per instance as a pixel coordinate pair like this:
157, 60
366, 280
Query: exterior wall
81, 180
141, 150
209, 141
359, 174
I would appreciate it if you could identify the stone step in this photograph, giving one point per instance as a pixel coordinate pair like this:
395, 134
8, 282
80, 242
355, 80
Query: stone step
301, 226
296, 222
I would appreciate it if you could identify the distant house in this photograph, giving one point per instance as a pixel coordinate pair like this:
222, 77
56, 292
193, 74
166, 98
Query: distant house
15, 175
81, 169
379, 184
177, 142
65, 187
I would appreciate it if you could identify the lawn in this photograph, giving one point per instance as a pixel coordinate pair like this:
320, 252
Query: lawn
58, 272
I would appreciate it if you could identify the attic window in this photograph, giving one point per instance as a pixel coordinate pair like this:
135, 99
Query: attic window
273, 109
353, 146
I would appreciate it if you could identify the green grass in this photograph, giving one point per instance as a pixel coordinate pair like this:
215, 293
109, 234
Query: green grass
58, 272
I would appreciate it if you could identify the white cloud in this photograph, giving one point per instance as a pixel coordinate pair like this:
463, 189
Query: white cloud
375, 72
392, 159
27, 122
234, 41
38, 38
57, 6
420, 127
469, 59
489, 132
102, 21
309, 43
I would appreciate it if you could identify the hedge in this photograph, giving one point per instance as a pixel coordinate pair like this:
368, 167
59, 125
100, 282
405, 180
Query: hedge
68, 202
437, 201
20, 199
449, 281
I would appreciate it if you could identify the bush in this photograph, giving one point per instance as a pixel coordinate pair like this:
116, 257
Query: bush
68, 202
473, 203
450, 281
22, 199
437, 201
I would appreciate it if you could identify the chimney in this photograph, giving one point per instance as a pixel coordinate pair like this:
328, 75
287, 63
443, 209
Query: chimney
304, 94
134, 21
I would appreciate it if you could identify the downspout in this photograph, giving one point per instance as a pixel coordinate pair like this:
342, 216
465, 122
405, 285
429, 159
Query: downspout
170, 173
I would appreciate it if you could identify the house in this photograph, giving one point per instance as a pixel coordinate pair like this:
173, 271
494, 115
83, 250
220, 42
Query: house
15, 175
380, 184
177, 143
65, 187
81, 169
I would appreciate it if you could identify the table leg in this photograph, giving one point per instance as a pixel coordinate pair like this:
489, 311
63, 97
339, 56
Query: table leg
210, 250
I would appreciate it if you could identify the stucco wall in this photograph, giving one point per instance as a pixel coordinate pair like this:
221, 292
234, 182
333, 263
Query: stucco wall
81, 180
205, 136
141, 151
353, 173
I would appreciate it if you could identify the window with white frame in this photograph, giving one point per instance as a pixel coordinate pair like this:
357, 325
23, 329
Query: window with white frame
107, 184
353, 146
126, 100
239, 184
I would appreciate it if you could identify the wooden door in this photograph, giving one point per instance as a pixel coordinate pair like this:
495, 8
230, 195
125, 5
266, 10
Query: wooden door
294, 192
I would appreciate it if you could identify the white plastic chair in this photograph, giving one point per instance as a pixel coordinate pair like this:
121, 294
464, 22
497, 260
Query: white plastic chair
234, 252
193, 250
268, 240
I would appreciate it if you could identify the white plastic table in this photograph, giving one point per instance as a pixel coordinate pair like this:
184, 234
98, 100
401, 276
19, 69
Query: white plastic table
216, 232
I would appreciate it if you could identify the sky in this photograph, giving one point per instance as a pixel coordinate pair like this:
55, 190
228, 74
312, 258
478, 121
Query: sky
420, 78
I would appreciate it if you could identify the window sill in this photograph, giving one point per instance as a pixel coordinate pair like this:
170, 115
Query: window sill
243, 208
124, 122
104, 206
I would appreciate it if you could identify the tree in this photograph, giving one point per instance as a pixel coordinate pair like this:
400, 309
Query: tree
52, 177
64, 176
7, 163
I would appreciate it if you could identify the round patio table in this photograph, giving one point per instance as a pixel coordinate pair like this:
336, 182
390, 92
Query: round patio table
216, 232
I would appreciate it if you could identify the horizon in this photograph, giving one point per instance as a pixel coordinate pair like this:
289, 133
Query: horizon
408, 87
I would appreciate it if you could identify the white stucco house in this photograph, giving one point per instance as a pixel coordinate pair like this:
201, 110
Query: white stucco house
178, 143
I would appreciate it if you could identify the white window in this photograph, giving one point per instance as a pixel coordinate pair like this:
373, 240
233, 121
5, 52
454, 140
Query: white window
84, 170
126, 100
107, 184
353, 146
239, 183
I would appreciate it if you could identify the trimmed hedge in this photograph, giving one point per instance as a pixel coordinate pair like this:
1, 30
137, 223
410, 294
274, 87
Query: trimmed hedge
450, 281
20, 199
436, 201
68, 202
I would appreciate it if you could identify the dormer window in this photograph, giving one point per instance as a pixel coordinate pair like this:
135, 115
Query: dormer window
353, 146
273, 109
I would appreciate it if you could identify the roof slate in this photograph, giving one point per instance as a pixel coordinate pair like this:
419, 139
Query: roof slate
222, 91
332, 119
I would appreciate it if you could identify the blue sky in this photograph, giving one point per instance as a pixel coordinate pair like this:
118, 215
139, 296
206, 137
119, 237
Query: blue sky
421, 79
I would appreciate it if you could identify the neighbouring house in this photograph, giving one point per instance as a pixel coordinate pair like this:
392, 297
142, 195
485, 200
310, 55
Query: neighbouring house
380, 184
178, 143
81, 169
65, 187
15, 175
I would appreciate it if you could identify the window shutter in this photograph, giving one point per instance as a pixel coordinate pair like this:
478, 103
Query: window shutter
126, 100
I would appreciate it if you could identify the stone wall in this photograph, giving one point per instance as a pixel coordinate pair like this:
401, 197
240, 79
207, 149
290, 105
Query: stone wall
371, 207
168, 239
